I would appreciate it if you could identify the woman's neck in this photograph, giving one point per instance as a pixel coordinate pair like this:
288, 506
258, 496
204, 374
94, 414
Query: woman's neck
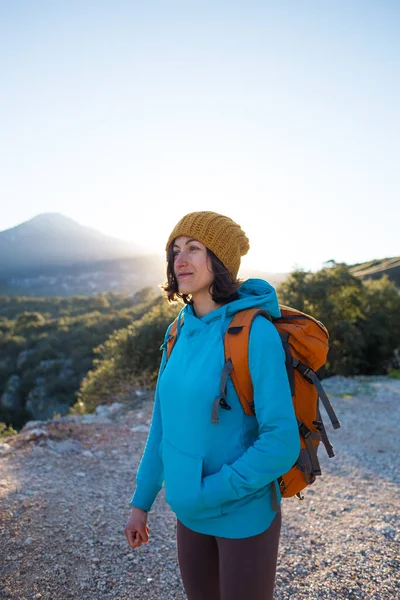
203, 305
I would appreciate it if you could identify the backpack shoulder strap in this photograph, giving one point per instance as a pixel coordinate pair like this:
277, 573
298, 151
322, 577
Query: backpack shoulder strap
236, 344
171, 337
170, 341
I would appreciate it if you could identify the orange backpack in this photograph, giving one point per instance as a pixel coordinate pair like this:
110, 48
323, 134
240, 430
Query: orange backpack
305, 341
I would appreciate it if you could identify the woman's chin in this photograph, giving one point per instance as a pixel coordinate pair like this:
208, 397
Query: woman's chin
184, 289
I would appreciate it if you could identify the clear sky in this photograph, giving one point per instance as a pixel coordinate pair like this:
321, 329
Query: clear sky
126, 115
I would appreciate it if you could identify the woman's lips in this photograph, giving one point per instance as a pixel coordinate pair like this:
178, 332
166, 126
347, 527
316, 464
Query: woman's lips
183, 275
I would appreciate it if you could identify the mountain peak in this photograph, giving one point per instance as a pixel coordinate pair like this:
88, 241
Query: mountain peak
42, 221
52, 238
50, 217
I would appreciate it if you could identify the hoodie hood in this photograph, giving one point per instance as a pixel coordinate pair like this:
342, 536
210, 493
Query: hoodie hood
253, 293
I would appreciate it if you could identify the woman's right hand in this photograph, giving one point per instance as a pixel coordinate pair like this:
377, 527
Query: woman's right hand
136, 530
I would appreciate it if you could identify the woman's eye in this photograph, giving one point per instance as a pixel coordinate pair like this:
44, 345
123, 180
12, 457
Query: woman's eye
191, 248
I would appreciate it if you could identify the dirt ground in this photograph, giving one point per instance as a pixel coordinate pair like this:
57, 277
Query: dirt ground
65, 488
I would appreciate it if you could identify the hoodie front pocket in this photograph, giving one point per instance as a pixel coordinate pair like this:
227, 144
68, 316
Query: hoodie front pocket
233, 505
183, 474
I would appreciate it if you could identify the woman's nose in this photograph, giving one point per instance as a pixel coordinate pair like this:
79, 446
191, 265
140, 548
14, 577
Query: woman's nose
180, 259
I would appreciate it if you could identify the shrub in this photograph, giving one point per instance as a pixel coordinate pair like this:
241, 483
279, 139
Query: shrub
363, 319
6, 431
394, 374
129, 358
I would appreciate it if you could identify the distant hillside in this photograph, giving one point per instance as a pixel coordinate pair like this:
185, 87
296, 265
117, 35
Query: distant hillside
124, 275
53, 239
273, 278
52, 255
375, 269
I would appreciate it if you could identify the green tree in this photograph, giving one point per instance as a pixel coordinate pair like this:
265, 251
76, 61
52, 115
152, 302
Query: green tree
362, 318
381, 324
28, 319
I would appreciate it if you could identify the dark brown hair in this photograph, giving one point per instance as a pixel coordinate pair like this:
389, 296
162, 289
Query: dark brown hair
223, 289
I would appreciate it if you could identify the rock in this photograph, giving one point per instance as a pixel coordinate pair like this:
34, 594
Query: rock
141, 428
28, 541
33, 425
87, 453
66, 369
36, 402
11, 398
35, 434
4, 448
386, 529
65, 446
92, 418
108, 410
41, 405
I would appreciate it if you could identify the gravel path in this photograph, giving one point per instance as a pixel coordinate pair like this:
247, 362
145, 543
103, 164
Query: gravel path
65, 489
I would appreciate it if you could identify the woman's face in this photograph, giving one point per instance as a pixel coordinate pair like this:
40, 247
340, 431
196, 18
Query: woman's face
192, 266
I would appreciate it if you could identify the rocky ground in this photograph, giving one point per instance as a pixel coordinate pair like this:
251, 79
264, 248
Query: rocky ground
65, 487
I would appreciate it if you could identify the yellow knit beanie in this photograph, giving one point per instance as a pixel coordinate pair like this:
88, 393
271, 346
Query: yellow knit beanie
220, 234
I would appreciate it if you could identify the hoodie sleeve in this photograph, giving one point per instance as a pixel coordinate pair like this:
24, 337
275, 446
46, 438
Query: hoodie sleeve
150, 474
277, 447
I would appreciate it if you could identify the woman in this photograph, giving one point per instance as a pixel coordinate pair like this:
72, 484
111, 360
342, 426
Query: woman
217, 474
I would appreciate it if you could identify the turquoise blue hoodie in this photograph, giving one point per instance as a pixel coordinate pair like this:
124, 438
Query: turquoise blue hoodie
216, 475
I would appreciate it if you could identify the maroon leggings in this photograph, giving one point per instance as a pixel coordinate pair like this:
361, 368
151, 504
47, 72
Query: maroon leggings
217, 568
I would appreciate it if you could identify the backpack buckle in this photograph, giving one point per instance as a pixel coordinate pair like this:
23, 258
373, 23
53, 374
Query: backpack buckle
306, 374
318, 425
303, 369
223, 403
305, 432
